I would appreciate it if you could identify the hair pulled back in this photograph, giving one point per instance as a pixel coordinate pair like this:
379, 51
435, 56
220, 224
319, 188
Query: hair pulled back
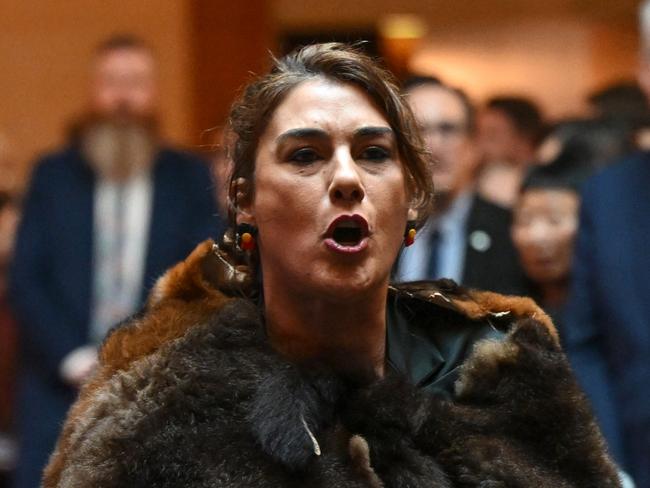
336, 62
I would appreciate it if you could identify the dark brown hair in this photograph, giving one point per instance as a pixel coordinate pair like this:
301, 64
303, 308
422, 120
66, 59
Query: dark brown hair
523, 113
338, 62
431, 81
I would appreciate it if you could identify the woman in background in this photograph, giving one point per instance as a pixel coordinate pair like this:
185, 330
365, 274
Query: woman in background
282, 357
544, 227
545, 222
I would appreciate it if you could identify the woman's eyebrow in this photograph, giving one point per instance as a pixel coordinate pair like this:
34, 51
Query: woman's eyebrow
373, 131
303, 133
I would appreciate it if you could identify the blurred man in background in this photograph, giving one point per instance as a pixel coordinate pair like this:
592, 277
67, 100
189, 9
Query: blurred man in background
10, 190
467, 238
625, 105
509, 129
103, 218
608, 315
9, 212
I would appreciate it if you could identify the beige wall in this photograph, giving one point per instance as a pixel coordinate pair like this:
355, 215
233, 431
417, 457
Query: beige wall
555, 51
45, 47
303, 14
554, 61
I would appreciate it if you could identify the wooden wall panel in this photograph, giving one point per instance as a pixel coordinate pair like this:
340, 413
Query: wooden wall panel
555, 51
230, 41
45, 50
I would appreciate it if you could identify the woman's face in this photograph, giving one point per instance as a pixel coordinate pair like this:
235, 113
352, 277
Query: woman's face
544, 229
330, 199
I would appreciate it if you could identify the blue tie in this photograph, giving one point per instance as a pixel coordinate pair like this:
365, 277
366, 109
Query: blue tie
434, 248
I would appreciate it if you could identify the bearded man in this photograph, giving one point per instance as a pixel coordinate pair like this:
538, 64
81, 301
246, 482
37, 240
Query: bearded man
103, 218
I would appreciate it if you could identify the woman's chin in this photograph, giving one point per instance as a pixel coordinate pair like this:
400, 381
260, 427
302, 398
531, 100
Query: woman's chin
348, 283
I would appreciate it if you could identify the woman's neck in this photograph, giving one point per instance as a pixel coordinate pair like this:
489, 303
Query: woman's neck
347, 336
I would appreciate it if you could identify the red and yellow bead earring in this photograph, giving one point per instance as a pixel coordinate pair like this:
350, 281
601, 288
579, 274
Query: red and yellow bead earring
410, 232
246, 235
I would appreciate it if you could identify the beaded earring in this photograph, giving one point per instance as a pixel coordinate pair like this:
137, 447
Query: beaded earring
246, 234
409, 233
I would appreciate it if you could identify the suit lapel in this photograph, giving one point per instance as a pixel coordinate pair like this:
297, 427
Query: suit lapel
78, 227
158, 222
633, 241
472, 265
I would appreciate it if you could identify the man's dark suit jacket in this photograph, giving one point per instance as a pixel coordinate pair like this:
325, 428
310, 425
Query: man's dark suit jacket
496, 268
51, 276
490, 259
607, 332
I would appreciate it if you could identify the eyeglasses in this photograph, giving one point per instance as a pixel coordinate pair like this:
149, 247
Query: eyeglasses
444, 129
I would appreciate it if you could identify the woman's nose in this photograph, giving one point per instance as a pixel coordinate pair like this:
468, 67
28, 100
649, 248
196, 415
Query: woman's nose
346, 182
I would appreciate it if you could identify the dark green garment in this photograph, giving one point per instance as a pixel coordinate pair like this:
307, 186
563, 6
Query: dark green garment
427, 340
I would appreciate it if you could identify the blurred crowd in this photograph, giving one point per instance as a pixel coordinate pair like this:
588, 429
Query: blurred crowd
553, 209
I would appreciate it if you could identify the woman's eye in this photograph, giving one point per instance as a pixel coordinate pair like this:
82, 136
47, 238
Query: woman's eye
375, 153
304, 156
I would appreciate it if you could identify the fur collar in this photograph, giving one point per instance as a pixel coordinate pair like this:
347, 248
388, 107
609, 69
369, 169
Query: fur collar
201, 286
195, 370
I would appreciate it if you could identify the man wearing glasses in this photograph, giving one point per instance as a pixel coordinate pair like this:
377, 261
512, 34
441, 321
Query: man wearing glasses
466, 238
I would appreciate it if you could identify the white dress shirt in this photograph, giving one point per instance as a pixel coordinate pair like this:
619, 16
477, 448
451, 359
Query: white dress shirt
122, 213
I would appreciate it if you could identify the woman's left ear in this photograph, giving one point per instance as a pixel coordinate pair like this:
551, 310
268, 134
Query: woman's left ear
240, 195
242, 199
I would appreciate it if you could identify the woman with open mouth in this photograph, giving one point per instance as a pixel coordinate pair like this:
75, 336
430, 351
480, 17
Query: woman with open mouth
283, 357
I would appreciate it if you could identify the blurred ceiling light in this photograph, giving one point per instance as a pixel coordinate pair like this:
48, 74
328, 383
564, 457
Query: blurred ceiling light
399, 37
402, 26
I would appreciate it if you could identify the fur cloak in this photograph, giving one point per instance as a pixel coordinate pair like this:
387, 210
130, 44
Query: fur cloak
190, 394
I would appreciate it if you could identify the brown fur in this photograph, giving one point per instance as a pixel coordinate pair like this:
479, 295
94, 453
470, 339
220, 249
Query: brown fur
486, 303
189, 295
479, 305
360, 456
183, 288
487, 358
181, 298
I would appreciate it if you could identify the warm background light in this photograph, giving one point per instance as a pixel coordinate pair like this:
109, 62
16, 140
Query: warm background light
553, 50
399, 36
556, 51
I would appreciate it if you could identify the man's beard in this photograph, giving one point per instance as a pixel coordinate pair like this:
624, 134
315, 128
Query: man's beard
118, 147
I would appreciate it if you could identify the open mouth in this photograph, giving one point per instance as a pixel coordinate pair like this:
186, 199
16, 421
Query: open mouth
347, 233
